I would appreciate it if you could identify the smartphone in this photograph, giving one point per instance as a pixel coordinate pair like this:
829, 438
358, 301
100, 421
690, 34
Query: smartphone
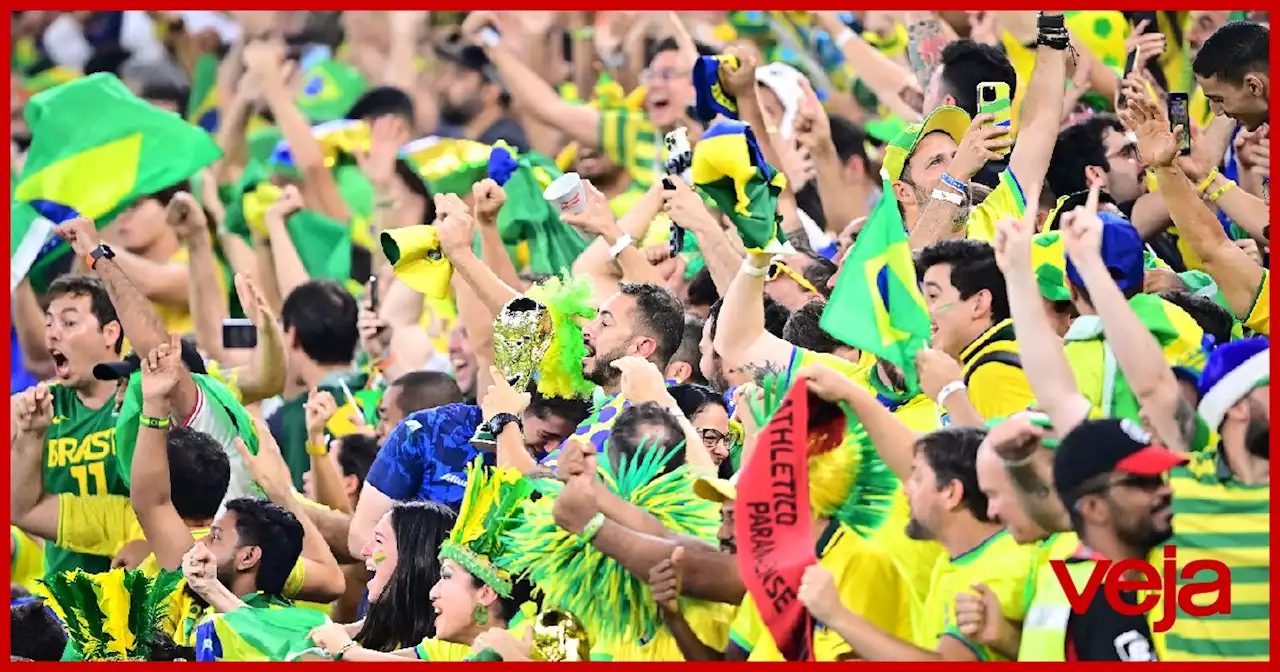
993, 99
1178, 116
677, 240
239, 333
373, 293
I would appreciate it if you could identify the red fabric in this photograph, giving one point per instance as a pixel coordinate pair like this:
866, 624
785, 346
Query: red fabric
774, 524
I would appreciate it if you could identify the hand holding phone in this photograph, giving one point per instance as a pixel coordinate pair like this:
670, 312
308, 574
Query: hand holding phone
1180, 117
994, 99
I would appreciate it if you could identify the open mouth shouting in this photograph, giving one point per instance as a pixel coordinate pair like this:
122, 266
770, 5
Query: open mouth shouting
61, 365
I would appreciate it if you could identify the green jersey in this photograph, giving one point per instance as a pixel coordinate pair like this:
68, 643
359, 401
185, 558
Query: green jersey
79, 459
289, 423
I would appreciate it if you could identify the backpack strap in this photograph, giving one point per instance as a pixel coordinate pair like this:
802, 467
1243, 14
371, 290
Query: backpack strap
997, 356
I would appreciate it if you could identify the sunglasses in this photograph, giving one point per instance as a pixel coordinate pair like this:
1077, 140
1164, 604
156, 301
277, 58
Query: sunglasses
777, 269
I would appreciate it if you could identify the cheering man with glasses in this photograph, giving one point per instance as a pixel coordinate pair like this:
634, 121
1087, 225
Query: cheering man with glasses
1111, 479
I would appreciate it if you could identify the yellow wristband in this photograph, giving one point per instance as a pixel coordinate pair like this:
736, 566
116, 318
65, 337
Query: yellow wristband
1208, 181
1213, 198
318, 450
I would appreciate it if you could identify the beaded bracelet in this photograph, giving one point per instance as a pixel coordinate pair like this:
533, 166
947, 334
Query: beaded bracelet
1208, 181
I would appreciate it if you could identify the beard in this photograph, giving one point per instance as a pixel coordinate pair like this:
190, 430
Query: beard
459, 114
603, 373
1147, 534
1257, 437
917, 531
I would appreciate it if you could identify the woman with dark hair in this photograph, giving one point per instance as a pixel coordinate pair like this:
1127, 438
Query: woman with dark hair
403, 558
709, 414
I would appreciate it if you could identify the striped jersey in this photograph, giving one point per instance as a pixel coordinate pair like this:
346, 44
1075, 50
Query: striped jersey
1216, 517
632, 142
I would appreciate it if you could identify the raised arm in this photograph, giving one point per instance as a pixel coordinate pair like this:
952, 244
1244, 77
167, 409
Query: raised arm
1237, 275
141, 325
150, 494
531, 92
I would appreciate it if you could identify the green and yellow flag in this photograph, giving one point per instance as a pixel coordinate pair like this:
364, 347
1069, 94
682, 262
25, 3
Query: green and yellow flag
247, 634
202, 105
329, 89
98, 167
527, 217
729, 168
876, 305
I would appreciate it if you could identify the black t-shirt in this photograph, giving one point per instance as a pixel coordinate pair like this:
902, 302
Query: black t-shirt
506, 129
1102, 633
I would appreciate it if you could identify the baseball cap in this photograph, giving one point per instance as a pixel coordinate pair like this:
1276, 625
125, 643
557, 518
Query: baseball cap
468, 57
1122, 253
717, 490
122, 369
784, 81
1096, 447
950, 120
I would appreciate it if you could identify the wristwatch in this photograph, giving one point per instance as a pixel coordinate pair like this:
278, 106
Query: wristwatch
99, 252
500, 421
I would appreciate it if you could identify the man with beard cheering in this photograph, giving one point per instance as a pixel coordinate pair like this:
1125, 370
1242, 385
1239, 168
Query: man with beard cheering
473, 101
642, 320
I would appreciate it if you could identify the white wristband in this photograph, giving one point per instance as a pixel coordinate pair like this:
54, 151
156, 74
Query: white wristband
844, 37
940, 195
619, 245
948, 389
754, 271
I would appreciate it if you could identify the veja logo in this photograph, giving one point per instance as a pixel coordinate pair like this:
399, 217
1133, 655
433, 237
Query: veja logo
1134, 575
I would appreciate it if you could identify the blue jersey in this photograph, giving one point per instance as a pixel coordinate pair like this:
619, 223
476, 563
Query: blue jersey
427, 454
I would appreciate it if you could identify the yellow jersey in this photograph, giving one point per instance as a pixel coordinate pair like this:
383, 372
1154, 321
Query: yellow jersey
710, 621
1259, 318
1001, 564
177, 316
869, 584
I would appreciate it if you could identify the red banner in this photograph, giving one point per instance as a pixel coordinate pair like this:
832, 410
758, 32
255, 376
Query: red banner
774, 525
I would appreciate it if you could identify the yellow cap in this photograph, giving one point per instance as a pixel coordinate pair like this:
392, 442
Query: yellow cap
950, 120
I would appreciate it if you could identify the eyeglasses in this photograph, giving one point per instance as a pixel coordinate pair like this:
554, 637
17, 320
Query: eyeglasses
713, 437
1135, 481
777, 269
661, 75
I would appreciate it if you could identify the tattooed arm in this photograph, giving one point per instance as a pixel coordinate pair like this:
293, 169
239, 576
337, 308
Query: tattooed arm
1033, 483
926, 42
740, 337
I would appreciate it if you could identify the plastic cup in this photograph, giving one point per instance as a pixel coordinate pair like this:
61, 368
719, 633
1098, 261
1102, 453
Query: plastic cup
568, 193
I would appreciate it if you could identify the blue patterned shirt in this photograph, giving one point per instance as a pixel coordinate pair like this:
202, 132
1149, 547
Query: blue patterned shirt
427, 454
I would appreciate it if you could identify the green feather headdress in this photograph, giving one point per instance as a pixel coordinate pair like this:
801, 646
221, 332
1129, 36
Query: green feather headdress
573, 576
478, 540
112, 615
569, 302
847, 479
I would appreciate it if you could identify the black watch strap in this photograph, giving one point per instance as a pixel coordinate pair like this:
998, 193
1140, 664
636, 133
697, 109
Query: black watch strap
500, 421
98, 253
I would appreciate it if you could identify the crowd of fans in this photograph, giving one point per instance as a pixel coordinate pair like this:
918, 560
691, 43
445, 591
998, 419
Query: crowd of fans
314, 364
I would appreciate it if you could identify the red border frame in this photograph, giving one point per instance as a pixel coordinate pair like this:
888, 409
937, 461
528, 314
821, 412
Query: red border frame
581, 4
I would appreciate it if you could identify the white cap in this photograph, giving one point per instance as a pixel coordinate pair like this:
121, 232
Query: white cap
784, 81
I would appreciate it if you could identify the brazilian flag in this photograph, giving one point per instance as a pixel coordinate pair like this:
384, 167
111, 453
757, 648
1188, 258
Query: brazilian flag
329, 89
96, 166
876, 305
527, 217
202, 105
729, 168
270, 634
